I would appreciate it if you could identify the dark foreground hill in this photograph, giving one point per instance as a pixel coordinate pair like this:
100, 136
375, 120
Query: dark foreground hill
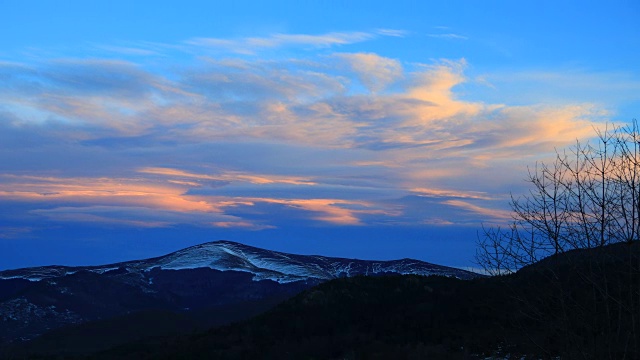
584, 304
390, 317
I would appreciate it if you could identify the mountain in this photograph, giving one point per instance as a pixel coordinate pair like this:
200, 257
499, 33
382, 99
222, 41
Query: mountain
208, 278
583, 304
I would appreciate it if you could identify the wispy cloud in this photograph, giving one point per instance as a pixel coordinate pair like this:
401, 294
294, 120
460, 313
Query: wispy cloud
15, 232
229, 176
441, 193
249, 45
102, 215
483, 212
562, 85
127, 50
392, 32
242, 225
438, 222
451, 36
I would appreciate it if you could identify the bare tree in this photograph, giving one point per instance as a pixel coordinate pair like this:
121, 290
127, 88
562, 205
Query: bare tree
587, 197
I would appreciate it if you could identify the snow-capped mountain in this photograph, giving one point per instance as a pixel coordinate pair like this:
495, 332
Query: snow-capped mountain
282, 267
33, 300
263, 264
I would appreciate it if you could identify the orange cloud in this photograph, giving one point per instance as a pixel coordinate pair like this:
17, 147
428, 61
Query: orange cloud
335, 211
536, 125
329, 210
434, 87
104, 191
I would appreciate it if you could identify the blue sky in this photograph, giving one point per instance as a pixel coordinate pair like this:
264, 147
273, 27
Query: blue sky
359, 129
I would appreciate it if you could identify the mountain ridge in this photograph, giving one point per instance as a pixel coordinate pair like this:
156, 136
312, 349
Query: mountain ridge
252, 258
205, 276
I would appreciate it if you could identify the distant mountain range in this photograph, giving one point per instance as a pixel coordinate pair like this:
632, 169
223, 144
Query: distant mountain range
210, 278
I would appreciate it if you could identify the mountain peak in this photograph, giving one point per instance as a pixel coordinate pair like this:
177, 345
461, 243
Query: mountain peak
225, 255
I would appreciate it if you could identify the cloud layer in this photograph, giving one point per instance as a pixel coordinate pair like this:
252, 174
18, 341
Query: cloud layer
246, 141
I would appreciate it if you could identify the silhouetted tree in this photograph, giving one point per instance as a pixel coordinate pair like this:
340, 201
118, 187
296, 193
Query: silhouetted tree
588, 197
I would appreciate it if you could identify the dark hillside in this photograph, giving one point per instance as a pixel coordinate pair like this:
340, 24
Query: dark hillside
100, 335
363, 317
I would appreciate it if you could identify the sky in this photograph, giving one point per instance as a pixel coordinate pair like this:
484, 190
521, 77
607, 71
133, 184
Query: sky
359, 129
